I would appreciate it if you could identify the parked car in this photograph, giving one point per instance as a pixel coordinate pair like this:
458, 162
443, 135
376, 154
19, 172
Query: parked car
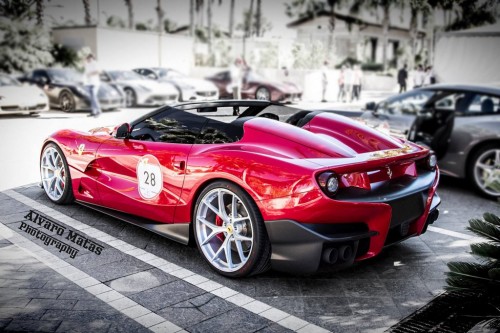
139, 90
18, 98
66, 91
256, 86
190, 89
461, 123
277, 187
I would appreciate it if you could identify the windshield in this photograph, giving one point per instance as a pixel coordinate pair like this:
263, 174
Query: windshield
254, 76
168, 73
8, 81
125, 75
65, 75
408, 104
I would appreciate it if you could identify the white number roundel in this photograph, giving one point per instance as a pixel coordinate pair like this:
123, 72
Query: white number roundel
149, 176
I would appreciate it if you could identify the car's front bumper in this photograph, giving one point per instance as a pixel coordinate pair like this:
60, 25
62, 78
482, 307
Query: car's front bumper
361, 224
24, 109
156, 99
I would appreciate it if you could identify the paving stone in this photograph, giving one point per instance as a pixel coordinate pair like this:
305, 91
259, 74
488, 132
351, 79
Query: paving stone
92, 305
127, 325
21, 313
32, 326
63, 304
277, 287
76, 294
141, 281
275, 328
16, 302
290, 304
4, 323
336, 306
357, 288
83, 316
241, 321
322, 287
160, 297
94, 326
403, 288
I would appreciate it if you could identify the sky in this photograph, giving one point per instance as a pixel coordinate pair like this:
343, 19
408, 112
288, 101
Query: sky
59, 11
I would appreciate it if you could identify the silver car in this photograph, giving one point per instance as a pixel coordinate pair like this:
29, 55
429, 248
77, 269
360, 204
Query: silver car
461, 123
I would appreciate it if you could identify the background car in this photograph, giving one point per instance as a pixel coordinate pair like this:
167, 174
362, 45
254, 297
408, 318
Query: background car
65, 90
190, 89
461, 123
18, 98
256, 86
139, 90
277, 187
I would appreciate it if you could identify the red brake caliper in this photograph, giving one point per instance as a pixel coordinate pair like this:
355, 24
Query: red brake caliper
218, 222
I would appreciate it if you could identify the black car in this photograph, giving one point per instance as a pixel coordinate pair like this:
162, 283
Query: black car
66, 91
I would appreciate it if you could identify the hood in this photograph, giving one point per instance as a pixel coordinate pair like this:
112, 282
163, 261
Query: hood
192, 83
22, 95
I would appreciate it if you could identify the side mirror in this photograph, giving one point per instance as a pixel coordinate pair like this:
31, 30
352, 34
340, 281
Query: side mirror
370, 106
151, 76
123, 131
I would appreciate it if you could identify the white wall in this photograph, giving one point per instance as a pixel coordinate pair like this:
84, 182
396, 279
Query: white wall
124, 49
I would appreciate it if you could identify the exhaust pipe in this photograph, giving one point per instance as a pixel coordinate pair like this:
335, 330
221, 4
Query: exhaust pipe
330, 255
345, 252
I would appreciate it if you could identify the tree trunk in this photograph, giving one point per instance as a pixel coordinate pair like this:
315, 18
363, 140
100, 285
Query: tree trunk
258, 18
86, 8
331, 36
209, 32
250, 15
231, 19
160, 14
385, 35
191, 18
39, 12
130, 11
413, 36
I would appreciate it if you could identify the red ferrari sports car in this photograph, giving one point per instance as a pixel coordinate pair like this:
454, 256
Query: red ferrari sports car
276, 187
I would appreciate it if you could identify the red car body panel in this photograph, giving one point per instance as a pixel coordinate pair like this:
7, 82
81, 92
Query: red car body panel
275, 163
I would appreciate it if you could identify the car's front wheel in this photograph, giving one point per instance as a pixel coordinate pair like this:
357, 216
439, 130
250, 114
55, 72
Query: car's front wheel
67, 102
130, 98
54, 172
230, 232
484, 171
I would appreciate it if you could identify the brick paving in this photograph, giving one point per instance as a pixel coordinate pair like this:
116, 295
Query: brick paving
368, 297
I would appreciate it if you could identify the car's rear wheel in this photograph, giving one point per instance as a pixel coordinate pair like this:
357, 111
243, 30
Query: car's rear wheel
230, 232
484, 171
263, 94
67, 102
130, 98
54, 172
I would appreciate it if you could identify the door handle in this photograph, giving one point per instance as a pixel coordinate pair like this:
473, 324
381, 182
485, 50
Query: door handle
180, 165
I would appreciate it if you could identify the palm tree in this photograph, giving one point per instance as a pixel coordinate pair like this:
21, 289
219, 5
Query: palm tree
130, 10
231, 19
258, 18
416, 7
191, 17
39, 12
209, 22
160, 14
482, 277
249, 31
86, 8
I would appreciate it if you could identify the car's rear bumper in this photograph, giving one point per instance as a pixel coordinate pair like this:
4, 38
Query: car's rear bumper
386, 216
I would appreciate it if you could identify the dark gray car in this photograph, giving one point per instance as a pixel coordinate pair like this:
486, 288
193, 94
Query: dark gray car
461, 123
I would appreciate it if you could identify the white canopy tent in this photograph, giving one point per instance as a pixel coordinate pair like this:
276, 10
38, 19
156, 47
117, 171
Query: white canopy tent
469, 56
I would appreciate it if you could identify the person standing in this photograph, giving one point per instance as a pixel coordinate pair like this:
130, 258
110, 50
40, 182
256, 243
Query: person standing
236, 73
324, 80
341, 83
429, 77
92, 83
402, 77
357, 78
418, 77
349, 79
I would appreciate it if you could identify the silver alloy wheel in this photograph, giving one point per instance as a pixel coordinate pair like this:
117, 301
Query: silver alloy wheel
66, 102
129, 97
224, 230
53, 173
263, 94
487, 172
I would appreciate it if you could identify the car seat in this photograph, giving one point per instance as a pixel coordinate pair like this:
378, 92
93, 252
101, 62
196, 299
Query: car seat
487, 106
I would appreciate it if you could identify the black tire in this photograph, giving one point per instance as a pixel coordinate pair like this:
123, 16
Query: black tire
484, 154
263, 91
130, 98
258, 259
66, 195
67, 101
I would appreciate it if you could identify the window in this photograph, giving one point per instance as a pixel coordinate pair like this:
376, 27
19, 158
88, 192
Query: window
483, 104
408, 104
171, 125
